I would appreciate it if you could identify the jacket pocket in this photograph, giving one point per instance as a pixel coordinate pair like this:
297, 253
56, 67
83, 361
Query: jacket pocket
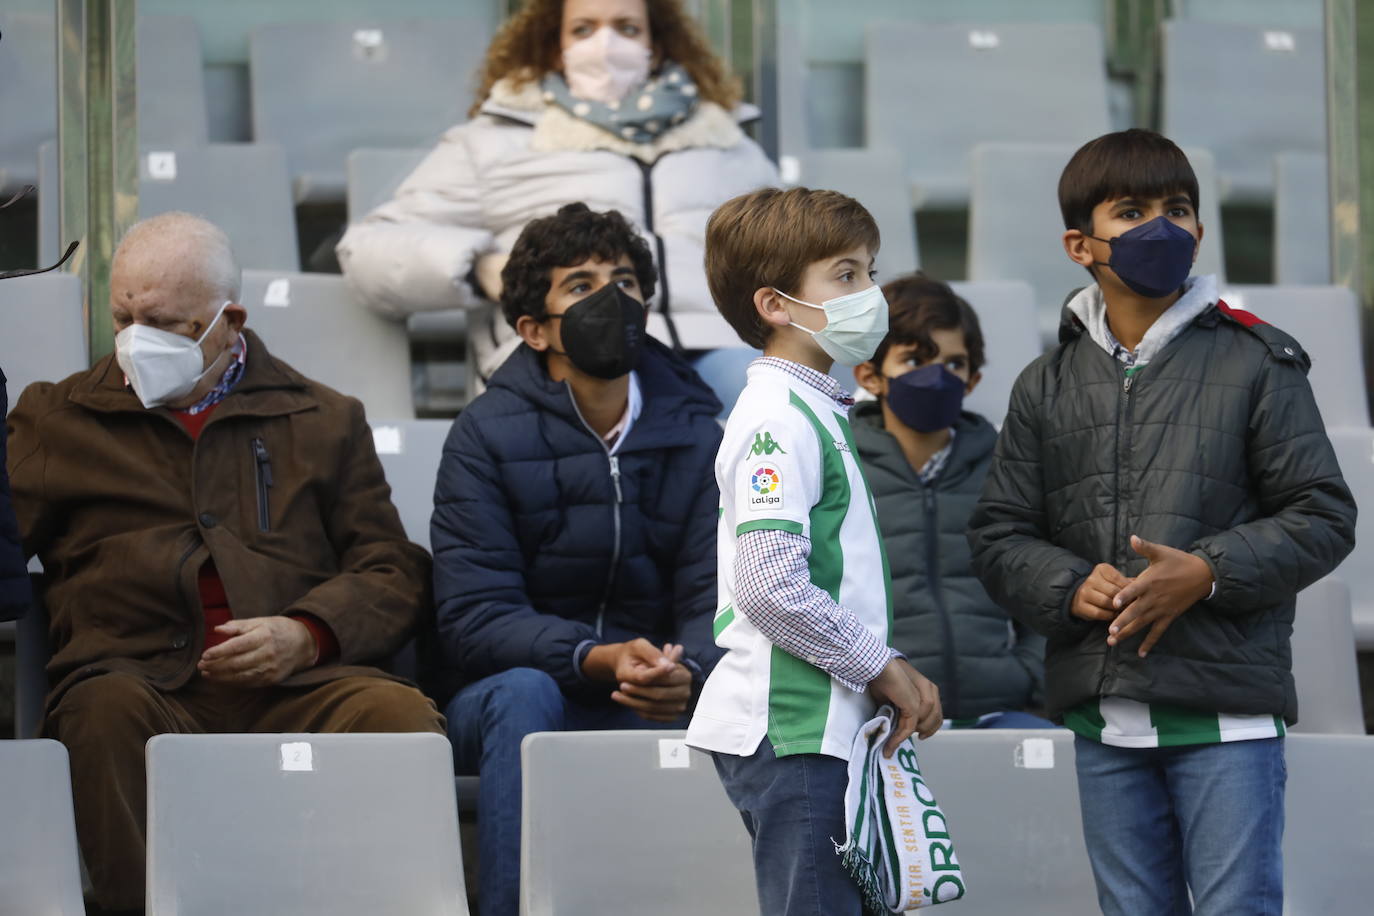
262, 475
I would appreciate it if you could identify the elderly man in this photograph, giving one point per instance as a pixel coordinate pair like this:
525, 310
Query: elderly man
221, 551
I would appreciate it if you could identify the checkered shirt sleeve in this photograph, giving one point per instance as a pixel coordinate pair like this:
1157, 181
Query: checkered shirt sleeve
773, 589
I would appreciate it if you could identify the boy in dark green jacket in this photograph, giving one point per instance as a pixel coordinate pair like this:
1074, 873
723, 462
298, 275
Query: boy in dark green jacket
1162, 489
926, 460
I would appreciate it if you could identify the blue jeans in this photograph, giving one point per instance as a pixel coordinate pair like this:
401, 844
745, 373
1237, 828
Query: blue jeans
1015, 719
1159, 822
487, 720
793, 808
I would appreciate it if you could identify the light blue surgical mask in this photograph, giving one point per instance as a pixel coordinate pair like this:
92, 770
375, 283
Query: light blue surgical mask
854, 324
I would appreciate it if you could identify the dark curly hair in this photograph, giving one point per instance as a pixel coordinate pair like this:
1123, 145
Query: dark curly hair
573, 235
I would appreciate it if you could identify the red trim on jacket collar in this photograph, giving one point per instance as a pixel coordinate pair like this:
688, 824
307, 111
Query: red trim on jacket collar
1240, 316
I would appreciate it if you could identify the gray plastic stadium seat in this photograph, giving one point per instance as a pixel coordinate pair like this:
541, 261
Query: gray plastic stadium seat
1014, 820
314, 322
875, 178
1355, 451
40, 871
1246, 93
321, 89
1326, 321
371, 827
374, 175
935, 91
1302, 220
171, 82
1011, 340
42, 331
1328, 840
1324, 661
240, 187
28, 93
171, 87
689, 855
410, 451
1022, 179
1272, 13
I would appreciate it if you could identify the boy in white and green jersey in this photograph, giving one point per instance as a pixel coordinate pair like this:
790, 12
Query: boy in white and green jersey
1162, 488
805, 606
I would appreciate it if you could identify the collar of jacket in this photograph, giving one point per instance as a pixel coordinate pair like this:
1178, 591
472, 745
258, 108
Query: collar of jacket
556, 130
268, 388
974, 440
675, 398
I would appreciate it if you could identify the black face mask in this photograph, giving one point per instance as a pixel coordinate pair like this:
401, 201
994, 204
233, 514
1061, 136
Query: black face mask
603, 334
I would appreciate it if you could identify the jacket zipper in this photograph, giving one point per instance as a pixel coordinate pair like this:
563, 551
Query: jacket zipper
1123, 499
646, 177
262, 472
950, 689
614, 464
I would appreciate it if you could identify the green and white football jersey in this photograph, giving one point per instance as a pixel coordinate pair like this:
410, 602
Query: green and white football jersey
1120, 722
788, 462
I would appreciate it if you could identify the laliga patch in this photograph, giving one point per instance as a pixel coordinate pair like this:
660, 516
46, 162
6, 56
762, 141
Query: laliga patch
765, 488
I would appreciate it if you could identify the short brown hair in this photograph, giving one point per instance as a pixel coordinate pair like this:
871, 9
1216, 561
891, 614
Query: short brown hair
1128, 163
917, 305
527, 47
768, 238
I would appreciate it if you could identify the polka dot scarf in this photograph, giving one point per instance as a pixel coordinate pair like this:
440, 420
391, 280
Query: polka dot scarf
647, 111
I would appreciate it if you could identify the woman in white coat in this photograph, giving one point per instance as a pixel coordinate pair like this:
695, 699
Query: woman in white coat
619, 104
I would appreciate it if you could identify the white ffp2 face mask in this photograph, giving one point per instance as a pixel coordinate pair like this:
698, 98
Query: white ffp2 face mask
854, 324
604, 66
162, 366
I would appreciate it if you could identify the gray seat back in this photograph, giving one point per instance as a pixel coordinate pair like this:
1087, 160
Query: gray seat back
315, 323
40, 871
28, 93
1011, 340
574, 859
343, 825
171, 82
42, 330
1023, 179
1302, 220
1011, 798
410, 451
875, 178
1328, 839
1355, 451
1324, 661
240, 187
1246, 93
374, 175
1326, 321
322, 89
935, 91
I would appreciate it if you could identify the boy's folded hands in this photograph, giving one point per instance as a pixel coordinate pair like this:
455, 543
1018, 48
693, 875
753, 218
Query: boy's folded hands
1174, 581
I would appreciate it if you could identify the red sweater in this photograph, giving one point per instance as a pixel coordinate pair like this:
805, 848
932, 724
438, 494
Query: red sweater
213, 600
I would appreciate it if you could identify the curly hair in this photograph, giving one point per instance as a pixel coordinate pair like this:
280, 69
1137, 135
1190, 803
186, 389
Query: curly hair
572, 236
528, 46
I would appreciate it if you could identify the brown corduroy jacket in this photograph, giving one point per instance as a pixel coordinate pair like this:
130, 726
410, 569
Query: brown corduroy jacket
283, 490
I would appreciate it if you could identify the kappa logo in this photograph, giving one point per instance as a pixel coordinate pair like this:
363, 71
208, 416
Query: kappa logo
765, 445
766, 485
841, 446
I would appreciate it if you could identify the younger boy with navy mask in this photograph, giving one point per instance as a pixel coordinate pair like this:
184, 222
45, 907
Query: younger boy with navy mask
926, 459
1162, 489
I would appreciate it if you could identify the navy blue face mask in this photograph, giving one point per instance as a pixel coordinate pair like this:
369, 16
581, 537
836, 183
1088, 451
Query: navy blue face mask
1152, 259
927, 399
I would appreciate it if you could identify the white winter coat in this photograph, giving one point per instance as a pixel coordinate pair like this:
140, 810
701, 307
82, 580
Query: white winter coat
523, 158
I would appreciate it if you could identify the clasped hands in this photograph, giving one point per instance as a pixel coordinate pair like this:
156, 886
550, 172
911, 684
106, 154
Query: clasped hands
1174, 581
651, 681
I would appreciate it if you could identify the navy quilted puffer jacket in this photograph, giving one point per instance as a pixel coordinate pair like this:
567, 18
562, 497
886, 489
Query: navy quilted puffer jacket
543, 541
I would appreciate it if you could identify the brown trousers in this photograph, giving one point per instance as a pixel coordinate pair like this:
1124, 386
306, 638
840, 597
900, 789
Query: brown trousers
106, 721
